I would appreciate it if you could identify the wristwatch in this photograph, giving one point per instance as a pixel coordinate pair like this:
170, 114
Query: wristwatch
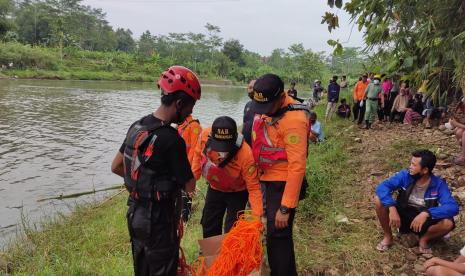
284, 210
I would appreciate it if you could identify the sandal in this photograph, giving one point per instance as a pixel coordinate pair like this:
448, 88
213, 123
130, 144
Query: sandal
382, 247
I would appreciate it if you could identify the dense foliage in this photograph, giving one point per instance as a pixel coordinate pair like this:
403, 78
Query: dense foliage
422, 39
68, 36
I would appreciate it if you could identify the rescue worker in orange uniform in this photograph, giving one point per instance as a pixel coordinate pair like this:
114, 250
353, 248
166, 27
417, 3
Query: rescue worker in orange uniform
279, 146
190, 131
225, 160
359, 101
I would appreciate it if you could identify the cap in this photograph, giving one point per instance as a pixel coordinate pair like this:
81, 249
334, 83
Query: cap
377, 76
223, 134
267, 89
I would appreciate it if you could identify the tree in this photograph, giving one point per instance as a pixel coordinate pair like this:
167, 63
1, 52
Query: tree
146, 45
424, 39
350, 61
34, 22
64, 23
277, 58
214, 40
124, 40
233, 49
297, 49
6, 7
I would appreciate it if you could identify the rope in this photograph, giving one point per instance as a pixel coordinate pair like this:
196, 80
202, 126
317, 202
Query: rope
241, 251
183, 268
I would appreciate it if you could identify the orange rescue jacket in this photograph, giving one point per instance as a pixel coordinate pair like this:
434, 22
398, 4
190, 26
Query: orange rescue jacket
190, 131
241, 166
291, 133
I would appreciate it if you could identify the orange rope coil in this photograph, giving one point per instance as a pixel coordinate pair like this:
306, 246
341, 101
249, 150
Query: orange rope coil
241, 251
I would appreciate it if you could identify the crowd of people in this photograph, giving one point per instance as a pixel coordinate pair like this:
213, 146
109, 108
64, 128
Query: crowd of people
381, 98
263, 165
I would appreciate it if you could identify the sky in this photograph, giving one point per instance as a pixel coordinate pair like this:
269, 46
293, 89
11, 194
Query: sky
260, 25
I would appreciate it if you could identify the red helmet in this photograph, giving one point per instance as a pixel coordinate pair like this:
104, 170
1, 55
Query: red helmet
180, 78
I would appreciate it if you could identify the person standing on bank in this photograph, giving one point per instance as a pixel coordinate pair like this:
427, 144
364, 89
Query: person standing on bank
333, 97
317, 91
279, 146
293, 93
190, 131
372, 94
226, 162
248, 115
154, 164
359, 94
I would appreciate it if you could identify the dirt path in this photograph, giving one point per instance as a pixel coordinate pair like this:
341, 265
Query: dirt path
346, 244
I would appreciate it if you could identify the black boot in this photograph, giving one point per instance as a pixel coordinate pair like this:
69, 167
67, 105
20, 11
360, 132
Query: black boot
367, 124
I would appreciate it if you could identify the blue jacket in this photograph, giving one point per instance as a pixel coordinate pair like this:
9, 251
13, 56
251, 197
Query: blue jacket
439, 201
333, 92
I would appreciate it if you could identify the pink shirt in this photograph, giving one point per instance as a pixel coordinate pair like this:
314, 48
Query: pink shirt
387, 85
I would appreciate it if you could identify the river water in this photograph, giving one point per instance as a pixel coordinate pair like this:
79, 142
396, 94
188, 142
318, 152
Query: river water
59, 137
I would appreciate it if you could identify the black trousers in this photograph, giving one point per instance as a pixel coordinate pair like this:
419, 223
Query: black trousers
155, 245
380, 111
359, 112
279, 242
218, 203
393, 115
408, 214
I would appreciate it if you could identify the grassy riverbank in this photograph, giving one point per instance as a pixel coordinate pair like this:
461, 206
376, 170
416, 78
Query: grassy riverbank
94, 240
71, 63
26, 62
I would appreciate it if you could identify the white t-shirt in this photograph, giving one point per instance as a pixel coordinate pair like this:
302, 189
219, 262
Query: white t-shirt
417, 197
462, 251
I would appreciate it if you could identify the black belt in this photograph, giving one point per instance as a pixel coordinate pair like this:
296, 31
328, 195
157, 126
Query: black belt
373, 99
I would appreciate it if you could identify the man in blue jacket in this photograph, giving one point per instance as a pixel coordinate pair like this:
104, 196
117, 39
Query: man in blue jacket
424, 204
333, 97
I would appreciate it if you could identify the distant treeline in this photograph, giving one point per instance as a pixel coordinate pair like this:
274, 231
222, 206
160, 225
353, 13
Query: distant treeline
65, 36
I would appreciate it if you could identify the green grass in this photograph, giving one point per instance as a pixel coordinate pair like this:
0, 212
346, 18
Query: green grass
78, 75
93, 240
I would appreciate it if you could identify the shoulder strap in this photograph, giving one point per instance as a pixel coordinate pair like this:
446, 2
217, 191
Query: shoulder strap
151, 138
234, 152
188, 124
231, 155
291, 107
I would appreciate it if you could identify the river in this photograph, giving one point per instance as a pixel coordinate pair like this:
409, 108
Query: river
59, 137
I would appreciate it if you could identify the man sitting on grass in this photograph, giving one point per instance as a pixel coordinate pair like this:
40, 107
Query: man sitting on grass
343, 109
316, 134
424, 205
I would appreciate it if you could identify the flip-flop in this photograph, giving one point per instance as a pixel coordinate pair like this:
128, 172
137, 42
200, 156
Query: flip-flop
424, 250
382, 247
